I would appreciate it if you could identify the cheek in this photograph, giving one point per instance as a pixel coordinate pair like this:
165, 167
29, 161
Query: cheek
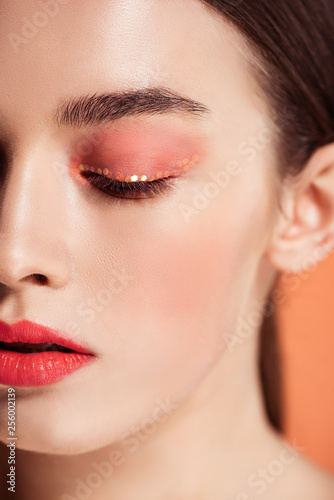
193, 282
183, 274
200, 268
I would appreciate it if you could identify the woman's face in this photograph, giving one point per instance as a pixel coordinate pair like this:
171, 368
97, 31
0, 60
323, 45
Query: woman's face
150, 284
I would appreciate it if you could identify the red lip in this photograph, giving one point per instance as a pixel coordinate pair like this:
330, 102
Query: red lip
31, 369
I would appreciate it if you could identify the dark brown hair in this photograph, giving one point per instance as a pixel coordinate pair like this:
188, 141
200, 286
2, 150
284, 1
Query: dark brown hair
293, 46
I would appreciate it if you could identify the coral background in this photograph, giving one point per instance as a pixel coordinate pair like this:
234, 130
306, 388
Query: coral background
306, 325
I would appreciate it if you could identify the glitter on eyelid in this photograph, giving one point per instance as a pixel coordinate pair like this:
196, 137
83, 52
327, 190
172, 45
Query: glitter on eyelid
119, 176
181, 166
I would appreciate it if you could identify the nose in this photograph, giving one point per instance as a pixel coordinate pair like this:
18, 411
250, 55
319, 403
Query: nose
33, 225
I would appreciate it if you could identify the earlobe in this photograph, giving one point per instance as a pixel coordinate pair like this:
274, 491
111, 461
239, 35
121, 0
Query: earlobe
304, 233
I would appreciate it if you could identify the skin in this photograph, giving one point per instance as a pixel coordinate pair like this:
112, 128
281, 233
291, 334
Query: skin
186, 281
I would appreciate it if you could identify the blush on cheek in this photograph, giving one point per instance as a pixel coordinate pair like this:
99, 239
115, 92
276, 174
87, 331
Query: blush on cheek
186, 304
183, 278
204, 270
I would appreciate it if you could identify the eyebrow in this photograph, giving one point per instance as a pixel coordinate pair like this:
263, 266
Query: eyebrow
98, 109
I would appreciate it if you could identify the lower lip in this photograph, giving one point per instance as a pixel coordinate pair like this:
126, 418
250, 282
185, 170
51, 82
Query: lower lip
39, 368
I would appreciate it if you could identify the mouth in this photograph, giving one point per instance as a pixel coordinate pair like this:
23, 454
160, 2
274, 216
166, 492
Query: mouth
33, 355
32, 348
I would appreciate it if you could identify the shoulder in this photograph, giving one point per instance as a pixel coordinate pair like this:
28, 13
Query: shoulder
311, 482
300, 478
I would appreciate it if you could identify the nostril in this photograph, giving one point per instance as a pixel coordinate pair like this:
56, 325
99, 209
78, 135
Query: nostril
39, 278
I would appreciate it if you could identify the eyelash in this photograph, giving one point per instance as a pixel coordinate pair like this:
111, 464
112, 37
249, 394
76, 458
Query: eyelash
130, 190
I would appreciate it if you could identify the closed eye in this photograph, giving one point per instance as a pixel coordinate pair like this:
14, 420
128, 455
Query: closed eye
130, 190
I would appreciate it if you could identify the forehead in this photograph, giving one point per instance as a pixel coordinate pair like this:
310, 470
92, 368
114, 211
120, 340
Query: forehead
78, 47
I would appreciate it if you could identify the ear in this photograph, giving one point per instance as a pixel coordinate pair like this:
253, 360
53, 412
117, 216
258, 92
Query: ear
304, 233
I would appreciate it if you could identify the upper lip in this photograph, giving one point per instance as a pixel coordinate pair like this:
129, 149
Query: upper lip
32, 333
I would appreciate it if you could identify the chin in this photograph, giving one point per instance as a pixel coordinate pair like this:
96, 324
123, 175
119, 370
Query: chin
47, 441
